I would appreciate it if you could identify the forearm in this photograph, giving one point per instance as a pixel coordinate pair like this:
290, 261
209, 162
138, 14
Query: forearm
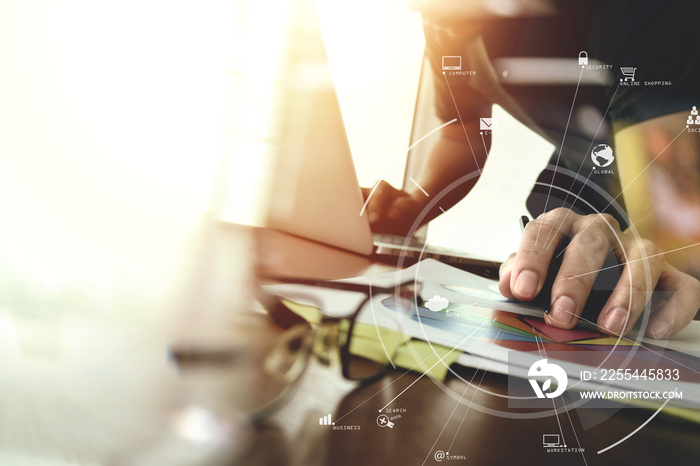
453, 158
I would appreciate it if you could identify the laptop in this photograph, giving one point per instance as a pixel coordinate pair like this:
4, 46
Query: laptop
314, 191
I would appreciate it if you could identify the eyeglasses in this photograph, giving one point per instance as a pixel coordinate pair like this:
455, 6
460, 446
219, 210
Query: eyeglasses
363, 341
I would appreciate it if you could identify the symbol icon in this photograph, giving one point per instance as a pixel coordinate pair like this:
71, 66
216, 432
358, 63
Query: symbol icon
440, 455
383, 421
551, 440
452, 63
602, 155
325, 421
693, 113
487, 124
583, 57
541, 369
627, 73
437, 303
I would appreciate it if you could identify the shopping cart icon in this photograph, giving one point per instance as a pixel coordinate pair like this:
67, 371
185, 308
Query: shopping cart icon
628, 73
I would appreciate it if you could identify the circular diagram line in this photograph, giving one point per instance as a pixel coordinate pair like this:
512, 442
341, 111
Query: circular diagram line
415, 368
583, 159
542, 349
561, 148
630, 183
379, 335
638, 428
431, 367
407, 150
635, 260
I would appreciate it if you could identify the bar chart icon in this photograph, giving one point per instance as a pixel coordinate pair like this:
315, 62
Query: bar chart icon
325, 421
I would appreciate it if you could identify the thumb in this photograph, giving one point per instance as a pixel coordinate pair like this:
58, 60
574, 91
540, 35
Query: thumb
504, 277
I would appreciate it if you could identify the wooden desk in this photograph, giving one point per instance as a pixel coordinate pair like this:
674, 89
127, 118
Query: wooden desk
157, 380
431, 420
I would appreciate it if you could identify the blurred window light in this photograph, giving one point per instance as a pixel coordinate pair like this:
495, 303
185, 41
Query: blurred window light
111, 120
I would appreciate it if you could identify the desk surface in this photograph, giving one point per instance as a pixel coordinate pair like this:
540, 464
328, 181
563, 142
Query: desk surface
431, 421
152, 374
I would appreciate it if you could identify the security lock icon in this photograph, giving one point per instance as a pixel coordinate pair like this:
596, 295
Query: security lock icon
583, 58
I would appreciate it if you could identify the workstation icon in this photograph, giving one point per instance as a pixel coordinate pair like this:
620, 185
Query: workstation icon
551, 441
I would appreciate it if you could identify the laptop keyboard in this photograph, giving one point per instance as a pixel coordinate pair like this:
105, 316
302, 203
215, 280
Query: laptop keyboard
397, 240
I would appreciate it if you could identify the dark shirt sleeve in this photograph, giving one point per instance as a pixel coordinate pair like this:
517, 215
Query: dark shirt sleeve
454, 95
659, 39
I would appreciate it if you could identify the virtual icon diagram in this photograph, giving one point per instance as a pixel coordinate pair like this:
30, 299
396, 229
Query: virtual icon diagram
602, 155
548, 371
627, 73
383, 421
486, 124
551, 440
437, 303
583, 58
451, 63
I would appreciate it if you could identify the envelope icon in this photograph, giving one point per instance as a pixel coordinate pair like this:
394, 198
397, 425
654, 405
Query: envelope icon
486, 124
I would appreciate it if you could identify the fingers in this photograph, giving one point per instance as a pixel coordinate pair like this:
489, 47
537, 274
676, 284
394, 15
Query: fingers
401, 207
391, 210
680, 309
633, 290
380, 200
593, 237
531, 264
592, 241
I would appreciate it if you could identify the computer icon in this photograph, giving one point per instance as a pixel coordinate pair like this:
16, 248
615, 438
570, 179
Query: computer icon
551, 440
451, 62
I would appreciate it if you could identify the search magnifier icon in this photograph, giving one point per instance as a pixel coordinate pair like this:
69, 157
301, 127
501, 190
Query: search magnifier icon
383, 421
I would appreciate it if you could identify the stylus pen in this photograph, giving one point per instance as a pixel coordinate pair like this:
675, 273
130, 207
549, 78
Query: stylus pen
524, 219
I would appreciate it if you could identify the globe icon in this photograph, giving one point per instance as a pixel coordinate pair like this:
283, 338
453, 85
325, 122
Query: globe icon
602, 155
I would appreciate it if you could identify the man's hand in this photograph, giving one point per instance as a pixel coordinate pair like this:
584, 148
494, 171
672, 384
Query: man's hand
593, 237
391, 210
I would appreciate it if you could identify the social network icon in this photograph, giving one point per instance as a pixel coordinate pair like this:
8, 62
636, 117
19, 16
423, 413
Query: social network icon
486, 124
